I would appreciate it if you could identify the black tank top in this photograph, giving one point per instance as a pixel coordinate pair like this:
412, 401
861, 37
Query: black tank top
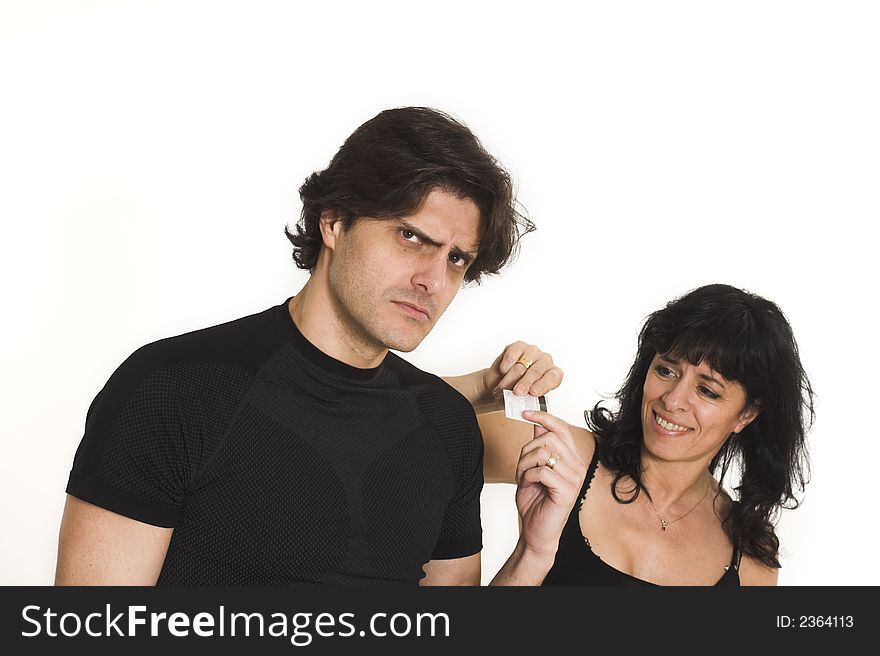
576, 564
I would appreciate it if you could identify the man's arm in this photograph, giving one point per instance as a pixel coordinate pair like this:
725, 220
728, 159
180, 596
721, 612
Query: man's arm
99, 547
455, 571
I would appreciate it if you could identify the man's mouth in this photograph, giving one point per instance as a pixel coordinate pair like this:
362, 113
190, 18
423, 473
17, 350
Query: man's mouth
413, 310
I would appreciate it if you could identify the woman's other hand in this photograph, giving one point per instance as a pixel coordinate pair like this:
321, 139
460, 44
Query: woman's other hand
549, 475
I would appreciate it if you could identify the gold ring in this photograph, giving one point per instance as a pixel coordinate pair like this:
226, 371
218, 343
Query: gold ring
552, 461
526, 363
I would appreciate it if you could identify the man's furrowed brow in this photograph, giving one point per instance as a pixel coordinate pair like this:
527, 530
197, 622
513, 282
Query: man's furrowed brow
418, 233
427, 239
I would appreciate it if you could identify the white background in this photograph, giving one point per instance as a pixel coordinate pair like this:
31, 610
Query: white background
150, 155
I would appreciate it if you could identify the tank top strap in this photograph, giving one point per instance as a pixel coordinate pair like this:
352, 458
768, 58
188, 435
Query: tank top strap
735, 558
591, 472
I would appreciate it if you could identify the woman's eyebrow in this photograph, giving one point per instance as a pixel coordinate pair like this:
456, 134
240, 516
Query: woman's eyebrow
711, 379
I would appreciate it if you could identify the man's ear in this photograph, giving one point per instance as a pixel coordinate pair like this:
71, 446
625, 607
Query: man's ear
748, 415
331, 226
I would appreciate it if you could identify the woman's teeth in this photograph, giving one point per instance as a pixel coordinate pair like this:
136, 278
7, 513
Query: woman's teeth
668, 426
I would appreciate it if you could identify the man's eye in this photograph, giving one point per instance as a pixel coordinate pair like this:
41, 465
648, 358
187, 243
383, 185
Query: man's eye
459, 261
409, 235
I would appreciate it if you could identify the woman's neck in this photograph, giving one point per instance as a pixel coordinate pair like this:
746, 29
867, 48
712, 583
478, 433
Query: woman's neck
675, 486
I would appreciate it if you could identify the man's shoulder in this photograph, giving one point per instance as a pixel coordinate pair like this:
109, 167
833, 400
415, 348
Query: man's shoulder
429, 388
242, 343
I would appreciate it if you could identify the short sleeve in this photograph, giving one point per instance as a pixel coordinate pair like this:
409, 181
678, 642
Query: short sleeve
164, 413
461, 533
135, 456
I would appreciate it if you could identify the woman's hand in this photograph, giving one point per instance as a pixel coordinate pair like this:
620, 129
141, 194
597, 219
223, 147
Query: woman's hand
521, 367
549, 476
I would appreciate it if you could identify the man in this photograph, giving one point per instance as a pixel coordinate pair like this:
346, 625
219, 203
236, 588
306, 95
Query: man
290, 445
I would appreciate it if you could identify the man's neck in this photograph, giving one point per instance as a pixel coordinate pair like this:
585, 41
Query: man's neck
326, 325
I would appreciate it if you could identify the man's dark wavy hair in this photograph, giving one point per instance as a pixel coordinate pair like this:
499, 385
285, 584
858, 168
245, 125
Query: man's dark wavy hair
387, 167
746, 339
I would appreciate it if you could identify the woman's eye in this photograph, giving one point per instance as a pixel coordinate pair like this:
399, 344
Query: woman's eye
708, 392
663, 371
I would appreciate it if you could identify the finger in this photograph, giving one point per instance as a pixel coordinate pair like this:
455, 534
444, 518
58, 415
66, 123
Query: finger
541, 364
551, 422
511, 354
516, 369
565, 466
549, 380
551, 442
539, 431
537, 454
560, 489
568, 462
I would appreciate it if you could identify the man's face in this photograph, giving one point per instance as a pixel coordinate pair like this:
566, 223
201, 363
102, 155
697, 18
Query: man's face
392, 278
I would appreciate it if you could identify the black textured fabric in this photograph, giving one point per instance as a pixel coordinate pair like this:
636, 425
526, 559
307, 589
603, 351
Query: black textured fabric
277, 464
577, 564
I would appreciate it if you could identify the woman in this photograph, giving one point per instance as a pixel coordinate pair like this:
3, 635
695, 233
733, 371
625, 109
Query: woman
716, 387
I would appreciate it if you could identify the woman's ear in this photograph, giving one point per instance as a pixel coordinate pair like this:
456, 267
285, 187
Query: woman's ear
748, 415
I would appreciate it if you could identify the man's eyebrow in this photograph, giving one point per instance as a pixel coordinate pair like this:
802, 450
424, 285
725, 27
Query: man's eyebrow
433, 242
711, 379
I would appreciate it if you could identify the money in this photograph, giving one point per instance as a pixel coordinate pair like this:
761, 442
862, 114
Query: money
514, 405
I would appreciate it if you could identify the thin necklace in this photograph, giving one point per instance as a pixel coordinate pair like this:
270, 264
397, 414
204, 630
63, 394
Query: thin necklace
664, 523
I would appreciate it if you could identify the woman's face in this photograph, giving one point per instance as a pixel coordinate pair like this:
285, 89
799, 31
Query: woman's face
688, 411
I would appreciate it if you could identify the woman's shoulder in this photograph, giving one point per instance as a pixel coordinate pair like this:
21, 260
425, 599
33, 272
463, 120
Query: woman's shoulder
585, 441
503, 439
753, 572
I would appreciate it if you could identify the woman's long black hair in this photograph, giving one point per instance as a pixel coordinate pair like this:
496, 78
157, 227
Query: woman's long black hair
746, 339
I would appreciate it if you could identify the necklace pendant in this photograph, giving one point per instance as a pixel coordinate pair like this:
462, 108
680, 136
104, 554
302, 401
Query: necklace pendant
662, 524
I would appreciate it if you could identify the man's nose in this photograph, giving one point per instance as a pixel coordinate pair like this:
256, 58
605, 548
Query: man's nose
431, 273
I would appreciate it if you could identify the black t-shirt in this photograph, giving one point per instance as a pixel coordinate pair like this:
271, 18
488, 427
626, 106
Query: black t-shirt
277, 464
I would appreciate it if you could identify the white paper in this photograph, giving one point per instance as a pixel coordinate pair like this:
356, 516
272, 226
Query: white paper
514, 404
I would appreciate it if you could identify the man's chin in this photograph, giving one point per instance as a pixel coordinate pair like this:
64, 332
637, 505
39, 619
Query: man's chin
404, 346
403, 343
398, 335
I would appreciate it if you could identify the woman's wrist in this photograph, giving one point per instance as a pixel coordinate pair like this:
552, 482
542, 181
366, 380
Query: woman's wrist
533, 555
526, 566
